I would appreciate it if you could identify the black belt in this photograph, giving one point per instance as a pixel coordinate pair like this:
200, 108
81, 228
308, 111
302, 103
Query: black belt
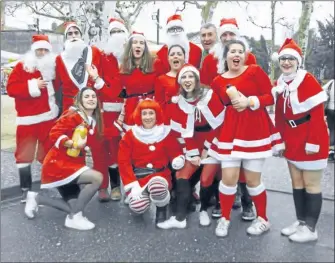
295, 123
204, 128
123, 94
143, 172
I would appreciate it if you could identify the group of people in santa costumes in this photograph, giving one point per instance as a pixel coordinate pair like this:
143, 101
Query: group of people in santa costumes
167, 122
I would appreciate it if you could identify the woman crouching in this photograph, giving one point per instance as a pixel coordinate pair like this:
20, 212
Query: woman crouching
144, 154
64, 166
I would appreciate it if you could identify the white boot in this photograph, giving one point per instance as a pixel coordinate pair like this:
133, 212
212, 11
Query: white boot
172, 222
31, 205
290, 230
304, 234
79, 222
222, 227
258, 227
204, 218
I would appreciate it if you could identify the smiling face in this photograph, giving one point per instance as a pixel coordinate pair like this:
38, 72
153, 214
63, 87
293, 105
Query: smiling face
208, 37
288, 64
89, 99
227, 36
188, 82
235, 57
138, 46
176, 58
148, 118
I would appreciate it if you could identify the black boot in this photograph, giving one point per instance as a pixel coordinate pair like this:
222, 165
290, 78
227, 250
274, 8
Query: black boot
114, 177
205, 196
248, 212
238, 202
216, 212
161, 214
25, 181
183, 198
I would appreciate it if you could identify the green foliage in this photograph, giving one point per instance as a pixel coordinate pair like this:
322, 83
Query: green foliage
260, 49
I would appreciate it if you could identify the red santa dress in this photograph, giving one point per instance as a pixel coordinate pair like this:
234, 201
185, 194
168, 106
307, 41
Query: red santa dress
165, 89
249, 134
141, 148
161, 63
59, 168
36, 110
299, 117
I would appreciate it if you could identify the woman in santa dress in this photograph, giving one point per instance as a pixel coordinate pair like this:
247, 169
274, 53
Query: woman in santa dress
299, 117
165, 85
144, 154
247, 136
67, 173
137, 77
195, 115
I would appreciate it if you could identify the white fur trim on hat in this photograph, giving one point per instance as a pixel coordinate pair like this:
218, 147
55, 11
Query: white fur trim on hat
292, 52
72, 25
173, 23
185, 69
117, 24
229, 28
137, 35
41, 44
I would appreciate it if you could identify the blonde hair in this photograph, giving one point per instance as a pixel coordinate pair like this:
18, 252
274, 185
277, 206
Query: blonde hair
128, 61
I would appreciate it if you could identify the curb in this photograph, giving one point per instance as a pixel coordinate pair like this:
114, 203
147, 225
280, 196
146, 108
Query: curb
15, 191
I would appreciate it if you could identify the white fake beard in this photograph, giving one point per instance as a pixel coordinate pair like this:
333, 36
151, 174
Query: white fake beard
46, 64
115, 45
181, 40
74, 49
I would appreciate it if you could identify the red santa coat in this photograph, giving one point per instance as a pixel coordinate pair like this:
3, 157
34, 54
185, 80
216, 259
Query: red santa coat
162, 65
186, 118
33, 105
141, 149
249, 134
209, 69
138, 86
296, 99
59, 168
66, 82
165, 89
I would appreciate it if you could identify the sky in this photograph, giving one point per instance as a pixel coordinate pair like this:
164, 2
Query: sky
260, 10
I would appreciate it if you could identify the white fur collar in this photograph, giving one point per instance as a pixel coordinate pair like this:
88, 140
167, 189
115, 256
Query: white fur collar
188, 108
149, 136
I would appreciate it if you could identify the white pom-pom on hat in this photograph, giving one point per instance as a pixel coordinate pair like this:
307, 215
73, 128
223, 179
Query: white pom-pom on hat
175, 99
87, 149
275, 57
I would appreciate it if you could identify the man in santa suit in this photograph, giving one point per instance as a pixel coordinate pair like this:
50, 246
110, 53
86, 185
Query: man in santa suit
31, 85
111, 102
176, 35
78, 66
212, 66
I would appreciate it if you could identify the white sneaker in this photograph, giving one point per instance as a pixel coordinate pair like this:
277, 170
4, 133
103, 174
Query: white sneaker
222, 227
304, 234
204, 218
290, 230
79, 222
258, 227
31, 205
172, 222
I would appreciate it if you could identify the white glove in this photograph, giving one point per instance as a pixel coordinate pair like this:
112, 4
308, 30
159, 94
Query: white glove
178, 162
136, 192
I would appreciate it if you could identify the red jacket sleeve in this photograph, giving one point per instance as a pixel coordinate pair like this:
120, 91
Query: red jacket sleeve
251, 59
174, 149
19, 87
124, 160
208, 71
264, 98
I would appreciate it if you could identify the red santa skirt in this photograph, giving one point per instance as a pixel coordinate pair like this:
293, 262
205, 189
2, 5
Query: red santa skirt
246, 135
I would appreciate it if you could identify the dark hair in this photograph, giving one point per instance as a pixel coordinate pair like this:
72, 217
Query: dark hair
198, 91
227, 48
78, 103
128, 63
182, 49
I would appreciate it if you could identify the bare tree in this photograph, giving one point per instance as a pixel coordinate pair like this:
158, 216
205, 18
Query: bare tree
207, 9
304, 21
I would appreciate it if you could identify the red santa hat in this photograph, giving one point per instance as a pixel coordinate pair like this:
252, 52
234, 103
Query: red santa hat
117, 23
228, 25
40, 41
174, 20
148, 104
185, 68
290, 47
137, 34
70, 24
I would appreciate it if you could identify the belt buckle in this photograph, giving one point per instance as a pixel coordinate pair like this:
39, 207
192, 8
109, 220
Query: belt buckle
292, 123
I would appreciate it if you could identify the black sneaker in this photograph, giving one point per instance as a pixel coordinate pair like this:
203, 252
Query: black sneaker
331, 156
24, 196
237, 203
248, 213
216, 212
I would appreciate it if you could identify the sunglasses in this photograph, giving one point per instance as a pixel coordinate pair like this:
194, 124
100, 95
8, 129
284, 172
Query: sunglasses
116, 32
289, 58
175, 29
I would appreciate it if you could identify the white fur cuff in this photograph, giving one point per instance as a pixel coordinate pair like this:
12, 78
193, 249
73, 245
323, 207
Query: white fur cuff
33, 89
253, 102
99, 84
312, 147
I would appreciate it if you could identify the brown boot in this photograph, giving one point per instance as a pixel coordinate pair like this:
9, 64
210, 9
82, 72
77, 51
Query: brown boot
103, 195
116, 194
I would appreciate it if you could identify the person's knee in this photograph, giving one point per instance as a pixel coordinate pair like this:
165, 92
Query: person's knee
97, 178
312, 182
139, 206
230, 176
